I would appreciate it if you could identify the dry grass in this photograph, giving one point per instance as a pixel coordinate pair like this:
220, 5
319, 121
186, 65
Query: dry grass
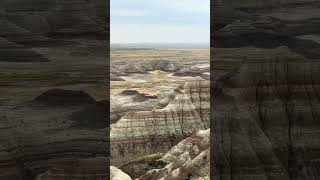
167, 54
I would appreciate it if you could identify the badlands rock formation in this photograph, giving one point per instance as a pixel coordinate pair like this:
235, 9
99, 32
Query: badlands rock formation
265, 104
189, 159
117, 174
121, 68
152, 82
142, 133
132, 101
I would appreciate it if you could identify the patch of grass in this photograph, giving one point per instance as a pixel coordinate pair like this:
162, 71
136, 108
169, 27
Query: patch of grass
156, 54
153, 161
149, 158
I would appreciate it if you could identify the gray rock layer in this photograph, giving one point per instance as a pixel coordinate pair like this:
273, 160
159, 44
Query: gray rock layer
189, 159
147, 132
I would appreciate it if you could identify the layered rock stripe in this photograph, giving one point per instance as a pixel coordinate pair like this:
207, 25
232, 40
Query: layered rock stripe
142, 133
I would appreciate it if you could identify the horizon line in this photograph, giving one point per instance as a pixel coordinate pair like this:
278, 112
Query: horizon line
162, 43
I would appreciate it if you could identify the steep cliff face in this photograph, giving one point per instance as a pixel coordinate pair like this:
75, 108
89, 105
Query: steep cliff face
147, 132
189, 159
265, 104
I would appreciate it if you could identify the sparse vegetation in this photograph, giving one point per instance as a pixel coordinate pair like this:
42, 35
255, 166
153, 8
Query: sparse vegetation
163, 122
156, 54
156, 78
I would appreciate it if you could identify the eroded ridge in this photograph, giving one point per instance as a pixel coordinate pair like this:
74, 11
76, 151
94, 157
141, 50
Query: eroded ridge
147, 132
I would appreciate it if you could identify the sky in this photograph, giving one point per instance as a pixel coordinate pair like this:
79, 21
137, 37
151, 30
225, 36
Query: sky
160, 21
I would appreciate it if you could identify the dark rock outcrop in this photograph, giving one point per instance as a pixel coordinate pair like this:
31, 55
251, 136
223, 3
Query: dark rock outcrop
63, 97
130, 92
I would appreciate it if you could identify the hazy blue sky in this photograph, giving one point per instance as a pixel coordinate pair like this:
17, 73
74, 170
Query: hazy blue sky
160, 21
